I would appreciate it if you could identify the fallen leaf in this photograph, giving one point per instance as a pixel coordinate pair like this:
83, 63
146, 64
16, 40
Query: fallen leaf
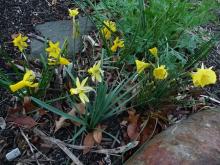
133, 127
132, 131
133, 117
25, 121
89, 141
60, 123
13, 110
81, 109
42, 112
97, 134
148, 131
27, 104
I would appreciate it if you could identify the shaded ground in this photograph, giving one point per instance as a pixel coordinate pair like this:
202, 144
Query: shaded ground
22, 16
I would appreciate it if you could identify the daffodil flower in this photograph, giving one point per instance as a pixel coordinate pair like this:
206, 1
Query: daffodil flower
154, 51
54, 54
160, 72
53, 49
27, 81
81, 90
107, 31
203, 76
73, 12
96, 72
117, 44
20, 42
140, 65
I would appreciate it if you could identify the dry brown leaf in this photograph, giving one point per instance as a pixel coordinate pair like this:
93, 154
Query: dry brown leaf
132, 131
60, 123
97, 134
25, 121
81, 109
133, 127
133, 117
88, 141
27, 104
148, 131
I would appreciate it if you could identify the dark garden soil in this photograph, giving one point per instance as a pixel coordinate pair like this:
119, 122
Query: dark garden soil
20, 16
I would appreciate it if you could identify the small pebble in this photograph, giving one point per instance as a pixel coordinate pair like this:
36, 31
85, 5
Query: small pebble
13, 154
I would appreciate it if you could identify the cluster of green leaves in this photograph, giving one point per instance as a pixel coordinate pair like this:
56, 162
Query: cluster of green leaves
157, 22
169, 25
106, 103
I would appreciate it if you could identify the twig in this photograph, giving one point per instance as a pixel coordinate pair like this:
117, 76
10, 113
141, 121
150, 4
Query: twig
113, 144
39, 38
118, 150
210, 98
29, 144
60, 144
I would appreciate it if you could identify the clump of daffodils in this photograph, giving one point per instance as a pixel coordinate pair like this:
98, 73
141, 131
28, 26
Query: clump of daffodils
81, 90
117, 44
96, 72
20, 42
27, 81
140, 65
54, 54
160, 72
203, 76
107, 30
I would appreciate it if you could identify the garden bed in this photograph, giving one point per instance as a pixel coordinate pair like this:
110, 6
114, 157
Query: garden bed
129, 102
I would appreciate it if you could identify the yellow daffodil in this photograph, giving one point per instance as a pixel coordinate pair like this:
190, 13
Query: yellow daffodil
27, 81
81, 90
203, 77
96, 72
140, 65
73, 12
154, 51
56, 61
106, 31
53, 49
54, 54
160, 72
20, 42
117, 44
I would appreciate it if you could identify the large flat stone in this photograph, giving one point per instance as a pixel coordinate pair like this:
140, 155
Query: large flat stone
59, 31
194, 141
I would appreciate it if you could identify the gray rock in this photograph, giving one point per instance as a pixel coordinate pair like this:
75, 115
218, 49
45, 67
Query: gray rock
60, 31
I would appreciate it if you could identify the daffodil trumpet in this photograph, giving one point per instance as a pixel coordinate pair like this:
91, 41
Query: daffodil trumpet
160, 73
96, 72
27, 81
203, 77
54, 56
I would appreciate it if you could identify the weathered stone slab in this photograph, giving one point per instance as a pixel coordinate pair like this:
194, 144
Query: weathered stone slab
59, 31
194, 141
